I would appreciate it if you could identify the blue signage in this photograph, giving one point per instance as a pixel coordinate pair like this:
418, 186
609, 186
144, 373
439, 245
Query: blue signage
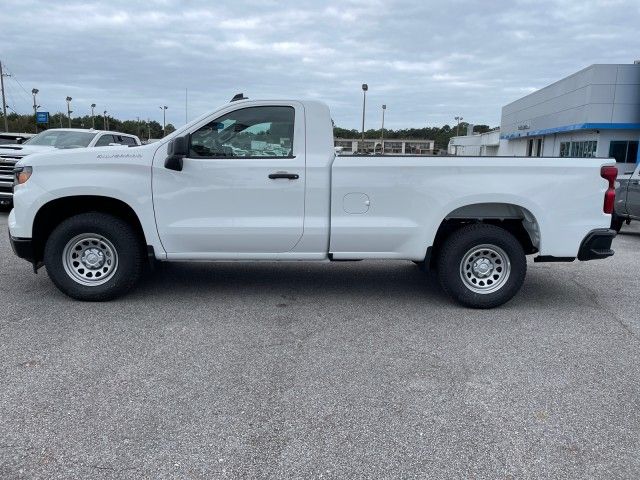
42, 117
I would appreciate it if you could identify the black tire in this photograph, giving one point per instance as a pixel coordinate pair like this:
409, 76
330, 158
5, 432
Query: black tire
616, 222
120, 237
505, 277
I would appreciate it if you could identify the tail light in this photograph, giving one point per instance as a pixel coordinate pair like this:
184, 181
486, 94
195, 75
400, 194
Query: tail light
609, 173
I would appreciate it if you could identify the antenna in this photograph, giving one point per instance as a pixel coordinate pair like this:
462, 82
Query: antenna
239, 96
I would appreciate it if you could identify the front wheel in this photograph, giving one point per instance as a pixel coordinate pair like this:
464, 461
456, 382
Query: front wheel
94, 257
481, 266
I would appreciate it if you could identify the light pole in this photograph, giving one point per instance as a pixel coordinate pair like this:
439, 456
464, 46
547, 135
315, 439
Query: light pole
93, 120
384, 107
69, 111
164, 117
458, 119
105, 120
365, 87
34, 92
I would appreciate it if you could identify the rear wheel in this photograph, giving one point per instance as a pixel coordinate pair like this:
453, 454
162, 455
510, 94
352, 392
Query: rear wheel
94, 256
481, 266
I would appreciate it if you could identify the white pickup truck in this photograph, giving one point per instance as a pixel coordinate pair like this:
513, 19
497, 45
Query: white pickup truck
259, 180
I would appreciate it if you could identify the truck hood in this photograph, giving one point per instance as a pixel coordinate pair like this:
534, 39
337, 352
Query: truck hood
23, 150
83, 156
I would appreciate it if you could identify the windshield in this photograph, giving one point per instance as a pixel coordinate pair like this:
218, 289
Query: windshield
62, 139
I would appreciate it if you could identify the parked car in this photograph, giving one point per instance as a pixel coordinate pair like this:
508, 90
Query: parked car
55, 138
7, 138
93, 216
627, 206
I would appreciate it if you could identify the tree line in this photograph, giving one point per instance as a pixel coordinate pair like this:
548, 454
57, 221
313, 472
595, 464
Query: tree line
144, 129
152, 129
440, 135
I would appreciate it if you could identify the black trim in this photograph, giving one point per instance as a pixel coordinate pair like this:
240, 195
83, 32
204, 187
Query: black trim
551, 258
597, 244
22, 247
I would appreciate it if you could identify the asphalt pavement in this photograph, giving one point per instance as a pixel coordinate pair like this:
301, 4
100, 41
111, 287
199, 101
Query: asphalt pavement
332, 370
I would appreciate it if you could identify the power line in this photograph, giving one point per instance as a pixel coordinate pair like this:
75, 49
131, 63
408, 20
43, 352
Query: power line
13, 77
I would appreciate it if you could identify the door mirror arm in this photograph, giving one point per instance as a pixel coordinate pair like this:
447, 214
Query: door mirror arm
177, 149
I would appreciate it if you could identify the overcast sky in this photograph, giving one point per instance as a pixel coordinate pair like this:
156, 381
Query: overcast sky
428, 61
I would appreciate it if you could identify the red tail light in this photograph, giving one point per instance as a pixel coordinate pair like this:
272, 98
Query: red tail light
610, 174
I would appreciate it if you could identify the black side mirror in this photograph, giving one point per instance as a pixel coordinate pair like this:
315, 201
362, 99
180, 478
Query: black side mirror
177, 149
179, 146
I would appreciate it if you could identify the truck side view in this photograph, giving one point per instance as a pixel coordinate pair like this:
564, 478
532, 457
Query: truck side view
259, 180
627, 206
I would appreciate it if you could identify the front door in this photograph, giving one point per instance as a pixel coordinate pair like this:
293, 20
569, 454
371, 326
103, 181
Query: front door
241, 188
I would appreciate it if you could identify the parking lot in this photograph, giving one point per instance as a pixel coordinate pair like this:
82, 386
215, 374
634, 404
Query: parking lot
322, 370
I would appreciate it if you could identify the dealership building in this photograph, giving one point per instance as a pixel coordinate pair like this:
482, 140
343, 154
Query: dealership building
592, 113
392, 146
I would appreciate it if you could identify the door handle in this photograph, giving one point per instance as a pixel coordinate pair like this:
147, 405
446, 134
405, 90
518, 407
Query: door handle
289, 176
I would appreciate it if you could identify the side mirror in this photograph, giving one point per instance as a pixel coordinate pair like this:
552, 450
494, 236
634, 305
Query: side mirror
179, 146
177, 149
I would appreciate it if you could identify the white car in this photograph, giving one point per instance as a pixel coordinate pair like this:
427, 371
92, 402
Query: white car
55, 138
94, 216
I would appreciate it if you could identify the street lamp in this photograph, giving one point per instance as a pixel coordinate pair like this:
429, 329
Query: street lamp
34, 92
384, 107
365, 87
164, 117
93, 121
69, 111
458, 119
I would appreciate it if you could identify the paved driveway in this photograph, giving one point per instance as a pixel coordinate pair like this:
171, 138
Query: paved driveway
344, 370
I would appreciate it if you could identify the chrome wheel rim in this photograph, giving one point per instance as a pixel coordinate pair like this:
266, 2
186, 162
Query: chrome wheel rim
90, 259
485, 268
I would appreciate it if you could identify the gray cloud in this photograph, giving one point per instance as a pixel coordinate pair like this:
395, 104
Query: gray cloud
428, 61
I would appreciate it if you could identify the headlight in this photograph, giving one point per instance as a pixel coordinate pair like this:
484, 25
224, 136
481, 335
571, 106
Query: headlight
22, 175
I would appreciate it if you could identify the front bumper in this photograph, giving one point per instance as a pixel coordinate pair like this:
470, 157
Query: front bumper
22, 247
597, 244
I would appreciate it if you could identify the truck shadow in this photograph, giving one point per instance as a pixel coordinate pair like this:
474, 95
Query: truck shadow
352, 282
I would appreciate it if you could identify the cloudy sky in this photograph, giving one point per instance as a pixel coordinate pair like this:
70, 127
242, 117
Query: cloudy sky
428, 61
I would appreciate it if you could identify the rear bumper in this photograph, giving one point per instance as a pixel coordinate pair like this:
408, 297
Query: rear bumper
597, 244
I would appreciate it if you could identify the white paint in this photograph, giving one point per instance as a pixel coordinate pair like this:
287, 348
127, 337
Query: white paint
219, 209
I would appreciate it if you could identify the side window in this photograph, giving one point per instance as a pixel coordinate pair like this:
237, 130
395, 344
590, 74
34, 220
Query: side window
258, 132
127, 140
104, 140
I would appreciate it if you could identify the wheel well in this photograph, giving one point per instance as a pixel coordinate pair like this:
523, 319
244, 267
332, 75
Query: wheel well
56, 211
517, 220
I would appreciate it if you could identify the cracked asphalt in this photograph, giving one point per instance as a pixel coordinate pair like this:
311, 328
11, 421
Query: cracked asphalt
302, 370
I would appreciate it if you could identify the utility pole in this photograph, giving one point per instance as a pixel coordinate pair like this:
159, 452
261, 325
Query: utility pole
365, 87
93, 120
4, 101
384, 107
69, 111
34, 92
104, 119
164, 118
